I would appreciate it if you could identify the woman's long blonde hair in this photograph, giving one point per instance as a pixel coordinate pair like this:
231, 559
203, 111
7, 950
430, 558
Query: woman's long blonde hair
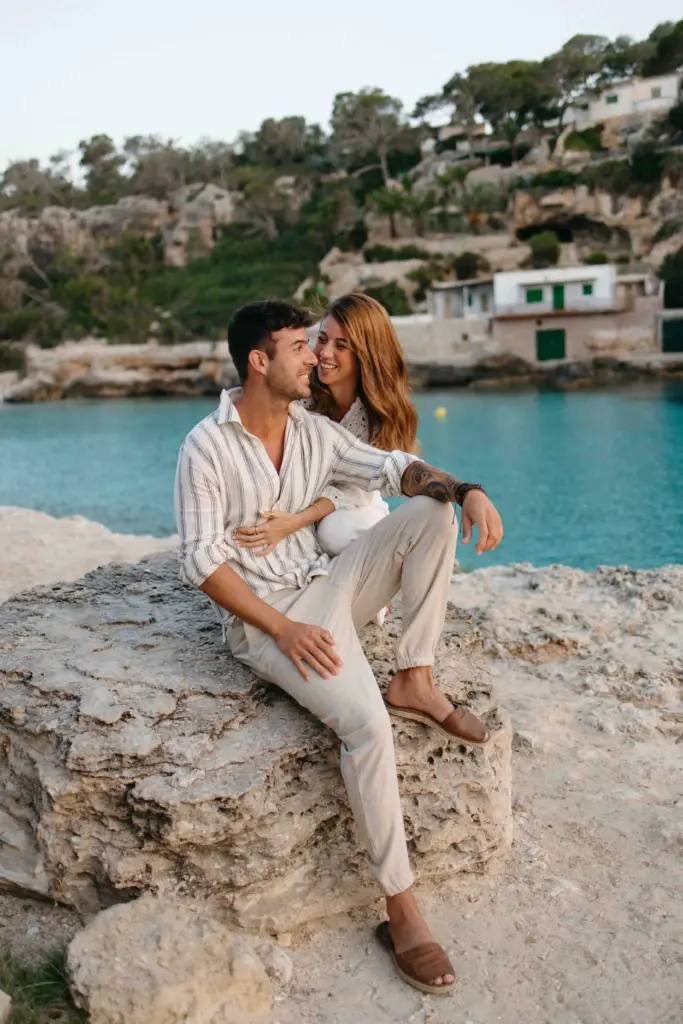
383, 384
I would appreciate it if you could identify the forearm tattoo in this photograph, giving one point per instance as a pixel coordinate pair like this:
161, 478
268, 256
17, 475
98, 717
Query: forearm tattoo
420, 478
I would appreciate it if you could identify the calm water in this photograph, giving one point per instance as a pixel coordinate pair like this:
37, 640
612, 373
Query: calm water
585, 479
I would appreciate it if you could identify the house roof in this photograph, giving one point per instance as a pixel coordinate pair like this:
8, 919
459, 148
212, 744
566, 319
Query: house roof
445, 286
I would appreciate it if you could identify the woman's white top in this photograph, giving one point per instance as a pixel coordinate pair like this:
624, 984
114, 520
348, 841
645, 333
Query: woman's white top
349, 496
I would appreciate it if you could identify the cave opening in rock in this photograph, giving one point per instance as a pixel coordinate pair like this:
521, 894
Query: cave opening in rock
589, 235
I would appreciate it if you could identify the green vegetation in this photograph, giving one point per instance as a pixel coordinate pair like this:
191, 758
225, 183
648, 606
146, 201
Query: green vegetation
467, 265
545, 250
588, 140
392, 297
557, 178
595, 259
671, 272
384, 253
40, 994
298, 190
668, 229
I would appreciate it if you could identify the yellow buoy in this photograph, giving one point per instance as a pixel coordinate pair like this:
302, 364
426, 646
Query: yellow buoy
440, 413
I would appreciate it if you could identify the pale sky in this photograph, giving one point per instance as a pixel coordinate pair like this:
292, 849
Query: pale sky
184, 69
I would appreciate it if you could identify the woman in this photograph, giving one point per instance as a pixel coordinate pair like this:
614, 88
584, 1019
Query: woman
361, 382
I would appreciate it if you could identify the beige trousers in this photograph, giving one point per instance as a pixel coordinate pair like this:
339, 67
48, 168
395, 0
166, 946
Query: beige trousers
412, 550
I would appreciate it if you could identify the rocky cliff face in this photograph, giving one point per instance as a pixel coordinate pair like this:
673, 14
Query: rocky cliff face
94, 369
192, 215
136, 755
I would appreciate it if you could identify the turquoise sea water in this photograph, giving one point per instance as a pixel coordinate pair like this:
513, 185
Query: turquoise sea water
584, 478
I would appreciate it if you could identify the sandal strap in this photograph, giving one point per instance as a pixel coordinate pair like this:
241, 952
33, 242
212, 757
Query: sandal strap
425, 962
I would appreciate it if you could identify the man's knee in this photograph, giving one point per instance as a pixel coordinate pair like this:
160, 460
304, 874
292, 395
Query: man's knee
366, 723
426, 510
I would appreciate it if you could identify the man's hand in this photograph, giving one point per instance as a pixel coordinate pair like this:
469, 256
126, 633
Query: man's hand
309, 645
479, 511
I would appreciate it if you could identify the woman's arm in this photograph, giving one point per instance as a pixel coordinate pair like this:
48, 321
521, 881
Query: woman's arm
278, 525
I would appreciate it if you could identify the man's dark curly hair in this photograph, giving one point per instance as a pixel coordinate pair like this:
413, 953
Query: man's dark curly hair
253, 326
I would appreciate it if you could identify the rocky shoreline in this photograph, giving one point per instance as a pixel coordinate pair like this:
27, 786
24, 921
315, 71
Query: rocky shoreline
94, 369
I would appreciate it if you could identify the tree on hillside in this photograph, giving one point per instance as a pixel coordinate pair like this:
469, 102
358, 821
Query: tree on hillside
29, 186
287, 140
368, 125
389, 201
575, 67
458, 96
158, 167
103, 163
624, 58
511, 96
668, 55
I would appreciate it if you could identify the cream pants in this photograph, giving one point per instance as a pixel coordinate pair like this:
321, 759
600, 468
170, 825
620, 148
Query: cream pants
412, 549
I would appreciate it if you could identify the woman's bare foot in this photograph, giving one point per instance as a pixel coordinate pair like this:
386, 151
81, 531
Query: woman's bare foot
408, 928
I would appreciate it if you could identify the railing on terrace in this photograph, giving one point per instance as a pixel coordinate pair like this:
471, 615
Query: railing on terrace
585, 304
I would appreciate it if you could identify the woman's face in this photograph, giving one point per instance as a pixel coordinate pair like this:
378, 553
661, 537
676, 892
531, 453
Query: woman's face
336, 362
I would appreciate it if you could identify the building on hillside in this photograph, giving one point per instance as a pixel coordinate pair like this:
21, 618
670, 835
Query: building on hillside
574, 312
632, 99
455, 300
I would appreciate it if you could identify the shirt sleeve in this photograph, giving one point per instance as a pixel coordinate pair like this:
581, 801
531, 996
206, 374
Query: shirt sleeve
369, 468
341, 498
200, 515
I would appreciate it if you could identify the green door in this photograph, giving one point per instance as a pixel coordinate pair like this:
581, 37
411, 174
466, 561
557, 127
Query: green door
550, 345
558, 296
672, 336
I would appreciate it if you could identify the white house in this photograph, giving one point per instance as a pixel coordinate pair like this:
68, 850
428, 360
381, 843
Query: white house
466, 300
636, 97
531, 292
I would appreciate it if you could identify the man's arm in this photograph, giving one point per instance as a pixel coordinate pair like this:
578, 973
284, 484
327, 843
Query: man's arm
477, 509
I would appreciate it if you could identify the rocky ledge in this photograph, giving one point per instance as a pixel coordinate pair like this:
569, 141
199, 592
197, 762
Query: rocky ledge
136, 756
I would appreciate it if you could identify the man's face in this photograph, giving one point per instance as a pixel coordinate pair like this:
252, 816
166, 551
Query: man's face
288, 372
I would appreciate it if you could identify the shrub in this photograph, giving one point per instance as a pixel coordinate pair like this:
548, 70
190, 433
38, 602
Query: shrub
557, 178
594, 259
610, 176
468, 264
425, 275
671, 272
624, 259
12, 356
588, 140
545, 250
384, 253
675, 117
668, 229
392, 297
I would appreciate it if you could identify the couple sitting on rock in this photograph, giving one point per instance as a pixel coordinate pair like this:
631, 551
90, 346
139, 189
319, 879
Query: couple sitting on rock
281, 524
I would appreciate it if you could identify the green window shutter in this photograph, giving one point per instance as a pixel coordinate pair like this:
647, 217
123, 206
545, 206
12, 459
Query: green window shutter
550, 344
611, 99
656, 92
587, 289
534, 295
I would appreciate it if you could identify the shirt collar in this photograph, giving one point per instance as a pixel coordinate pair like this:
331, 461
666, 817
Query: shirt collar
227, 413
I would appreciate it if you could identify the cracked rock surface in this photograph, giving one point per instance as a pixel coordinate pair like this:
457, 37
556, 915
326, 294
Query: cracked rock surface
136, 756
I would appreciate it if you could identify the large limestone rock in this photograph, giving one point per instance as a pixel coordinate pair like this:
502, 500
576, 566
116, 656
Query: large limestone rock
188, 222
150, 962
136, 756
95, 369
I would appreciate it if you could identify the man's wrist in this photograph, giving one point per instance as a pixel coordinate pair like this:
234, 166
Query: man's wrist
461, 491
277, 626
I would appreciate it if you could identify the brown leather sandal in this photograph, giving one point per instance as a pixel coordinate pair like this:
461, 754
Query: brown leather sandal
419, 965
460, 725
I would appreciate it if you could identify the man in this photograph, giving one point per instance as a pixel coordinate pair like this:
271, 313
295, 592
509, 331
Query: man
292, 615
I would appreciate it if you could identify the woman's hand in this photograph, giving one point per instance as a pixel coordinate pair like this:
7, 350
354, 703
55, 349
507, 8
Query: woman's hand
264, 537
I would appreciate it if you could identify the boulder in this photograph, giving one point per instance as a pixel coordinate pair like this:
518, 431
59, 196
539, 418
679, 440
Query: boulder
151, 962
137, 756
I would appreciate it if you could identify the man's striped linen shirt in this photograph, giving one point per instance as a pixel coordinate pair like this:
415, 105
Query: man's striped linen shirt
225, 479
